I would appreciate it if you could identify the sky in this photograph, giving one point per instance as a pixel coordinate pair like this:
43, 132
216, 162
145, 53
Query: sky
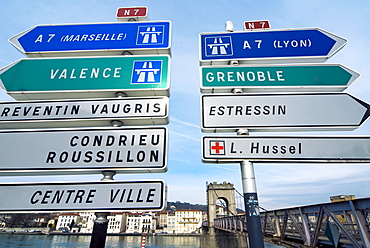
279, 185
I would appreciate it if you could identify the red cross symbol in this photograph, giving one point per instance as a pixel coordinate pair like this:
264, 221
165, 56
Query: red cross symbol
217, 147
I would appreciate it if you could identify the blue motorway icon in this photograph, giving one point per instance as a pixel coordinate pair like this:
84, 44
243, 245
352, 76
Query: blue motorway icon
147, 72
218, 46
150, 35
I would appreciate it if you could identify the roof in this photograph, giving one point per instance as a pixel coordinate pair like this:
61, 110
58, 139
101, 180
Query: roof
188, 210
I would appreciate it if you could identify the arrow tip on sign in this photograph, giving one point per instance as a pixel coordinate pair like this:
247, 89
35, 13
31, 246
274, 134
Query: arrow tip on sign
366, 105
340, 42
354, 74
15, 40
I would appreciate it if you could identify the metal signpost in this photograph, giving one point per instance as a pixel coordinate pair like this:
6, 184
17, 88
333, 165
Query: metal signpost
240, 62
80, 151
86, 77
84, 113
134, 67
286, 77
282, 112
269, 46
325, 149
81, 196
105, 39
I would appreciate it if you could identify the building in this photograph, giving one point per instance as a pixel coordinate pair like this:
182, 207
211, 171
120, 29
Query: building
161, 218
221, 212
140, 222
86, 222
67, 221
188, 220
41, 221
171, 223
339, 198
117, 222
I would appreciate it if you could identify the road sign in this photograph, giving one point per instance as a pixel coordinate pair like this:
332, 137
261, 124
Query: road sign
291, 77
126, 14
252, 25
77, 196
79, 151
269, 46
139, 38
325, 149
84, 113
282, 112
86, 77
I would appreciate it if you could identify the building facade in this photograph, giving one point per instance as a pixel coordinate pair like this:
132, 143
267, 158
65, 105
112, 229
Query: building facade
140, 222
67, 221
188, 220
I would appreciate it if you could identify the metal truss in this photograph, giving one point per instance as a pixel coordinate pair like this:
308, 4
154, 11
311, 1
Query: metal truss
307, 224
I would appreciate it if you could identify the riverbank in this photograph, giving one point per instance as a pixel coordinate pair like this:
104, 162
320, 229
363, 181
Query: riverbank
153, 241
131, 234
45, 232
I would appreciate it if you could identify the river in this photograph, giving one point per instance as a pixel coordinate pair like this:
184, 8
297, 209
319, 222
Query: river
78, 241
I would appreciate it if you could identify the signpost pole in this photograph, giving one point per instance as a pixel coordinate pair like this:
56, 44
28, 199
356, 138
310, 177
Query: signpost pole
100, 228
252, 213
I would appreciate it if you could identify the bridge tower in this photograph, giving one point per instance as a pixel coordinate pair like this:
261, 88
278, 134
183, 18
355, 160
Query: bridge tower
224, 191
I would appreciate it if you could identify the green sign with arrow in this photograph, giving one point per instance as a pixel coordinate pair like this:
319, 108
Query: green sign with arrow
302, 77
86, 77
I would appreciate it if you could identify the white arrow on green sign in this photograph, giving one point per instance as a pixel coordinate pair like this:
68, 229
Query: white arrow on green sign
290, 77
86, 77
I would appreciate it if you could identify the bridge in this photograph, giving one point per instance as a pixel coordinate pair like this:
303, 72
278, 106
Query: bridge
341, 223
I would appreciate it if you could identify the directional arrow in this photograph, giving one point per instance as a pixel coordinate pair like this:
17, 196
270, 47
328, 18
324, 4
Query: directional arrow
76, 196
283, 112
83, 150
325, 149
84, 113
86, 77
274, 46
292, 77
139, 38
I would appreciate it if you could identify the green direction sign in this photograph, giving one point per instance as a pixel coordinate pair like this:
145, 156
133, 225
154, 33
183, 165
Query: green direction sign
86, 77
294, 77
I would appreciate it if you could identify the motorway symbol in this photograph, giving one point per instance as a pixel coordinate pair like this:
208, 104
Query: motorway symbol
78, 196
292, 77
282, 112
84, 113
271, 46
86, 77
94, 39
132, 14
318, 149
147, 72
79, 151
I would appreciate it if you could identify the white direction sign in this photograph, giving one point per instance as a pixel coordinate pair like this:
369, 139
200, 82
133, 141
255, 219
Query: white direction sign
78, 151
335, 149
77, 196
84, 113
282, 112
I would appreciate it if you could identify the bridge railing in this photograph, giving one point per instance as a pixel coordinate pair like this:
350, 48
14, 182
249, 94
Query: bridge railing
234, 223
309, 224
